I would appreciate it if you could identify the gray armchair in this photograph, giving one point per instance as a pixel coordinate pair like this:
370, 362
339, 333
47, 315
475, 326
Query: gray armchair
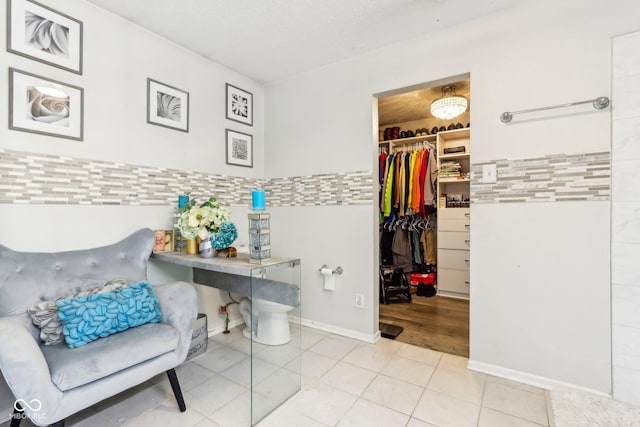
53, 382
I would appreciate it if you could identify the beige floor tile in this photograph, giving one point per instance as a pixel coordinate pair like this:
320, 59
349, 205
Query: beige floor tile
492, 418
249, 370
323, 403
313, 365
446, 411
453, 362
189, 375
131, 403
419, 354
514, 400
414, 422
212, 394
365, 413
206, 423
408, 370
334, 347
527, 387
285, 416
465, 385
166, 414
278, 386
394, 394
369, 356
349, 378
220, 359
279, 355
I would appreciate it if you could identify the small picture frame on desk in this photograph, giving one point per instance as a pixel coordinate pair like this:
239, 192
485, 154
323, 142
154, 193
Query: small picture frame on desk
164, 241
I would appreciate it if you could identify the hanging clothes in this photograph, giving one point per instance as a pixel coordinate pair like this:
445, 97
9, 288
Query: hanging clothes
401, 249
430, 188
429, 246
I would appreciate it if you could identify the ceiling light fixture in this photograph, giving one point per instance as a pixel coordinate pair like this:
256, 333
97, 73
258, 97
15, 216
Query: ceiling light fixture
449, 105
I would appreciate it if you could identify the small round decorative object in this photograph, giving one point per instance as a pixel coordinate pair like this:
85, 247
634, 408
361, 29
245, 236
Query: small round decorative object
207, 250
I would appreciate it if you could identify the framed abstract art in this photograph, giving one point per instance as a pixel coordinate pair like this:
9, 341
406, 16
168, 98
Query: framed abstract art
167, 106
239, 105
239, 149
41, 33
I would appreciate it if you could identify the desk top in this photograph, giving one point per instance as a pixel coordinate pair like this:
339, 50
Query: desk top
237, 265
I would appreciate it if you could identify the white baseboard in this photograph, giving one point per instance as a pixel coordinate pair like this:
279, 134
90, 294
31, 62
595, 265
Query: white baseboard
349, 333
526, 378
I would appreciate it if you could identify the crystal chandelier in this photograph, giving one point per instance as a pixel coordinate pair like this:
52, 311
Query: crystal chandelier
449, 105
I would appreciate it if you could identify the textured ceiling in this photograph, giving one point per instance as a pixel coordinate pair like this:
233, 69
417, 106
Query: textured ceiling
270, 40
415, 105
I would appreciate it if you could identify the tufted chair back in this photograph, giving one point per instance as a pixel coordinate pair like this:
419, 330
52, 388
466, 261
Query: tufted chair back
27, 278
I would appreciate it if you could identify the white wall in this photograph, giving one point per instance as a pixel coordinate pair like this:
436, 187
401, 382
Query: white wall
625, 215
118, 59
543, 53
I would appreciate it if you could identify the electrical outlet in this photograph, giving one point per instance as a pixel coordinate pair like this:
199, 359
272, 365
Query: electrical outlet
360, 300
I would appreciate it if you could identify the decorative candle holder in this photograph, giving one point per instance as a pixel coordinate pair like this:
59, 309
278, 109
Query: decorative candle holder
259, 237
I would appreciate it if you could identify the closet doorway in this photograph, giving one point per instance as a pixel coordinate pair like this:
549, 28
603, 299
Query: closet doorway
423, 205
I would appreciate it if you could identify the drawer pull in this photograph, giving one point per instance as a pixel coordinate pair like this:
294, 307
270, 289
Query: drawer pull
467, 261
467, 226
468, 242
468, 215
467, 283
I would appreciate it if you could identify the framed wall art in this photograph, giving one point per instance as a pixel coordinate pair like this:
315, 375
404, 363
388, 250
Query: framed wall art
239, 105
48, 107
239, 149
167, 106
44, 34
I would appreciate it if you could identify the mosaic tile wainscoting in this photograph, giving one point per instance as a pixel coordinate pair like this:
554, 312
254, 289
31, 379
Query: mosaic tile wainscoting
31, 178
552, 178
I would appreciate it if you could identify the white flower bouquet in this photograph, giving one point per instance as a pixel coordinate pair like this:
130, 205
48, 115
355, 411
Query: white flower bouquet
200, 221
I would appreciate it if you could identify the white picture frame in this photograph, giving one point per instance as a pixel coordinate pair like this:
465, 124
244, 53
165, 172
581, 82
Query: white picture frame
44, 106
239, 105
167, 106
239, 148
43, 34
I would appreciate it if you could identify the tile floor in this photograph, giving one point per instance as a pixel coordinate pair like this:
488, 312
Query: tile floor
344, 383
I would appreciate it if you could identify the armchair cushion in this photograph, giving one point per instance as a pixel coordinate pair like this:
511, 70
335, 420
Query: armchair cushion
45, 314
72, 368
89, 317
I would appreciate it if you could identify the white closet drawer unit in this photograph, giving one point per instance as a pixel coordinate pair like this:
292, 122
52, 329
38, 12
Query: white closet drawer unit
454, 213
453, 258
454, 240
453, 281
458, 224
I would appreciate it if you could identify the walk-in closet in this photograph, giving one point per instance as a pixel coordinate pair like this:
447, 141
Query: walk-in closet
423, 163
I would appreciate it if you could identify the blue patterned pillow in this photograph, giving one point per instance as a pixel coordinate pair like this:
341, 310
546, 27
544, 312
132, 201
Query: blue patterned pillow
89, 317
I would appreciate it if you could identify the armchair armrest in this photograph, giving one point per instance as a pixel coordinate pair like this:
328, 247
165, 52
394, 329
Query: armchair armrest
179, 307
24, 366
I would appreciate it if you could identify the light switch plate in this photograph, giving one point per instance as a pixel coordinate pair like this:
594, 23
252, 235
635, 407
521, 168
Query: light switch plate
489, 174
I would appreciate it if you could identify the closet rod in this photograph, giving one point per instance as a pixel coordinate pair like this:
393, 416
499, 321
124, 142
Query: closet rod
599, 103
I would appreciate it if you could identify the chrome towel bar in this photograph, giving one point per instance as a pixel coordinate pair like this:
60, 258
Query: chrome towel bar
599, 103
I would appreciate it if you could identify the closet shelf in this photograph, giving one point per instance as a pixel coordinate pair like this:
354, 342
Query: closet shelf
445, 180
454, 156
412, 140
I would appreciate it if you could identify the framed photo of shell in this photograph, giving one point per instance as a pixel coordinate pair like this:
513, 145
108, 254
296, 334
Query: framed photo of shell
45, 106
167, 106
43, 34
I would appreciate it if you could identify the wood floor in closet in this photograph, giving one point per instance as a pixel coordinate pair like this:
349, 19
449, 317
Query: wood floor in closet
438, 323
